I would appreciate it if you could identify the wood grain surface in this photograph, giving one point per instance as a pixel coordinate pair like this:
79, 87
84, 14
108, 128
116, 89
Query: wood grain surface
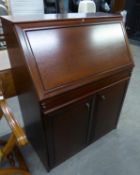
71, 74
7, 83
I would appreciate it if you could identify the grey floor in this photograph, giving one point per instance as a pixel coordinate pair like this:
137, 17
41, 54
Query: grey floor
118, 153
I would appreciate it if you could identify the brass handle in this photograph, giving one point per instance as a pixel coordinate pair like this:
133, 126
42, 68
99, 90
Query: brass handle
103, 97
88, 105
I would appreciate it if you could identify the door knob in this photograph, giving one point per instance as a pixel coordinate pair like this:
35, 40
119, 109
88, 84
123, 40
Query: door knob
88, 105
103, 97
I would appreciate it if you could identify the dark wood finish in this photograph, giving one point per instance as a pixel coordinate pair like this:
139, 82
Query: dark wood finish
69, 128
79, 64
117, 5
26, 93
8, 83
106, 120
60, 65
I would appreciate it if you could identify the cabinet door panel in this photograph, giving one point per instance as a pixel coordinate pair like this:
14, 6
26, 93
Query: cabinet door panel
69, 130
107, 109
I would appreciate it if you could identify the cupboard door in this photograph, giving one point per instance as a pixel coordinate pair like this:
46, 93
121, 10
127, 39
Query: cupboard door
107, 109
68, 130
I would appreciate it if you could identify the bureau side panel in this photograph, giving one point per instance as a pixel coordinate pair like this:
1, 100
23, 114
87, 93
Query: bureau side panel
29, 104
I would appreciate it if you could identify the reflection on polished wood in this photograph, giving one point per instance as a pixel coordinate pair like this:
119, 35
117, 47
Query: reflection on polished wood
9, 149
71, 73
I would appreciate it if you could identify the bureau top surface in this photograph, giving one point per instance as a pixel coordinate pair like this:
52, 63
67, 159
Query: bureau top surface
53, 17
64, 56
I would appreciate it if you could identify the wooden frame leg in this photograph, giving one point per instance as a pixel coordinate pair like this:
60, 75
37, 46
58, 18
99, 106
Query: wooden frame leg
13, 171
22, 169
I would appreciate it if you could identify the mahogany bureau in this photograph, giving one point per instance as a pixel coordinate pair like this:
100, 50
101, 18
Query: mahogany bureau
71, 74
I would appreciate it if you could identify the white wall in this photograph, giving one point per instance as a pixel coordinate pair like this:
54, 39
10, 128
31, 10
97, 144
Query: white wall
4, 60
22, 7
12, 102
